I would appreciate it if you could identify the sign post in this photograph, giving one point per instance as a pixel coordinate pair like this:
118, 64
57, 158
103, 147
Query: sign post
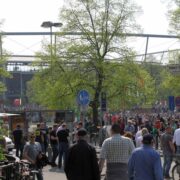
171, 103
83, 99
103, 101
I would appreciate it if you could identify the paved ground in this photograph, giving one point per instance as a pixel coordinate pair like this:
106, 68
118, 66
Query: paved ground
55, 173
58, 174
50, 173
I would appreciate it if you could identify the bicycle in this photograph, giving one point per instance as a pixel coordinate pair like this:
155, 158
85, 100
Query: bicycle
103, 176
176, 168
23, 170
2, 178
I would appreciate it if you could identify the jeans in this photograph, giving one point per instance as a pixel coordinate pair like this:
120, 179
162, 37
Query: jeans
42, 147
55, 153
63, 149
19, 148
167, 164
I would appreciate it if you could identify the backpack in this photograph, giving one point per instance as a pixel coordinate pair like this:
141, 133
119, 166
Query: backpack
42, 160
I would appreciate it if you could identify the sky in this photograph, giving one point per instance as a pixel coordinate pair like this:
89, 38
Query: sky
28, 15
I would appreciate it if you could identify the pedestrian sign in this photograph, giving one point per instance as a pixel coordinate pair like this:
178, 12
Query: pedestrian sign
83, 98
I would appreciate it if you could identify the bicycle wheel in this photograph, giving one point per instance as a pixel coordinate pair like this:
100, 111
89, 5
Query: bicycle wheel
2, 178
103, 177
176, 171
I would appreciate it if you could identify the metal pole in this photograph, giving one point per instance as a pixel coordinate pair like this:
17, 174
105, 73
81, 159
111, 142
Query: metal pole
21, 86
55, 44
51, 39
51, 52
147, 41
80, 33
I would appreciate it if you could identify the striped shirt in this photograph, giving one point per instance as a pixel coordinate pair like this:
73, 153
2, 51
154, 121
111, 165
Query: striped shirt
117, 149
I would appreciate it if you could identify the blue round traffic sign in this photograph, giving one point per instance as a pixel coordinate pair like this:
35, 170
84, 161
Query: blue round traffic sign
83, 98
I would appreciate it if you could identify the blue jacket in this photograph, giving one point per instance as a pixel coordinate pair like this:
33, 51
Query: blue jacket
145, 164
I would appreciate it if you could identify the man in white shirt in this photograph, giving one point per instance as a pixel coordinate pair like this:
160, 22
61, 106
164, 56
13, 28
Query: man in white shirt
176, 140
144, 131
116, 150
139, 132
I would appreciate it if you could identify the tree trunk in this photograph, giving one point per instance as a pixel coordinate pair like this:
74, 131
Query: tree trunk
95, 114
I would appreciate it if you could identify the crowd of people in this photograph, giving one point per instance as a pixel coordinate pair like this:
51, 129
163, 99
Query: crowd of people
129, 148
150, 136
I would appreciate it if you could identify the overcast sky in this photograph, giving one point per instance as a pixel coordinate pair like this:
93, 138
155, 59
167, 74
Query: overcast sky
27, 16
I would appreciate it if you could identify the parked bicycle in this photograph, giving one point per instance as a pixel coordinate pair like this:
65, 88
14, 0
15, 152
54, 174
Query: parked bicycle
176, 168
6, 171
103, 176
23, 170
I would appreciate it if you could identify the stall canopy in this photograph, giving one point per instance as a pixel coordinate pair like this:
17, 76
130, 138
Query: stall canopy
8, 114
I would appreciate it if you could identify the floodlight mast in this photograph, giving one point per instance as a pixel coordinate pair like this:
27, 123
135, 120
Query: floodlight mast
50, 24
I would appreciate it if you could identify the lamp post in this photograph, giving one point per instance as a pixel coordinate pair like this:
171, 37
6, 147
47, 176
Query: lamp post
49, 24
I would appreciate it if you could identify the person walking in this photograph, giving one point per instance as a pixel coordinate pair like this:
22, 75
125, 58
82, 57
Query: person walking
44, 130
39, 136
18, 140
31, 152
145, 162
140, 138
176, 140
168, 149
54, 144
116, 151
130, 127
81, 162
63, 135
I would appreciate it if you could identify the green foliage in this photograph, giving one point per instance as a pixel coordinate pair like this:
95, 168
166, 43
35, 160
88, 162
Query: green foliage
2, 141
3, 72
170, 84
174, 17
2, 156
87, 61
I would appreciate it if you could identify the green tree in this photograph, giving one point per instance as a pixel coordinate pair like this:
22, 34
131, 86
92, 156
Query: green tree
170, 84
3, 72
174, 17
86, 60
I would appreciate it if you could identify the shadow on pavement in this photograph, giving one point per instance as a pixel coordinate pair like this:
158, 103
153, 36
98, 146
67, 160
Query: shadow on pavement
55, 169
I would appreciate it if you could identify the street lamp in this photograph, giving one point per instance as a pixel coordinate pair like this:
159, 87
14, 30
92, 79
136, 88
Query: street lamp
49, 24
